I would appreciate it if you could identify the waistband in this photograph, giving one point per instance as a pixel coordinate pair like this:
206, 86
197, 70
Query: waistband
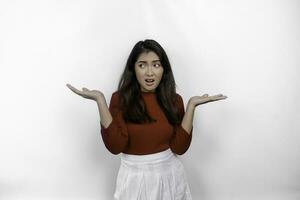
148, 157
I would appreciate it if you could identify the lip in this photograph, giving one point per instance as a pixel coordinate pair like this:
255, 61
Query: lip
150, 78
149, 84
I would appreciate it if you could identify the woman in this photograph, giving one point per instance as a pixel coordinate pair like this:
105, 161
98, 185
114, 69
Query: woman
147, 123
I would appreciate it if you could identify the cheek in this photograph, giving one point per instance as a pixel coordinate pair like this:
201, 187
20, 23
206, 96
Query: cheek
139, 76
160, 73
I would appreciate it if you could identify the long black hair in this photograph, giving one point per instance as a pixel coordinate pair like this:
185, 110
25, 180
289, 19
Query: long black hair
133, 106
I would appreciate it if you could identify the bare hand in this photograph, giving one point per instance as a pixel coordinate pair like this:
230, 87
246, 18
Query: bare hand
197, 100
86, 93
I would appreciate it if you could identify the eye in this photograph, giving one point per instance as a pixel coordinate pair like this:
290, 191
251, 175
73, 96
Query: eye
157, 65
141, 65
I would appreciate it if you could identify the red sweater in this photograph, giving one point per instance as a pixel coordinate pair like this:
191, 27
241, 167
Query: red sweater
141, 139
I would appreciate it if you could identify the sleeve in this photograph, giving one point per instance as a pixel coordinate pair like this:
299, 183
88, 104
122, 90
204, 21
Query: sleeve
115, 136
181, 139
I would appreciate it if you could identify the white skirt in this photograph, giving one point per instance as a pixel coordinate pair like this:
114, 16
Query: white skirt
158, 176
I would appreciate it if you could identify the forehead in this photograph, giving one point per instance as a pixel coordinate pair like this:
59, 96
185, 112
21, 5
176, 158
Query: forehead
148, 56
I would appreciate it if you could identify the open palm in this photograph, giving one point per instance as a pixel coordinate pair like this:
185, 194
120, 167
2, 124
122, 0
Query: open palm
197, 100
86, 93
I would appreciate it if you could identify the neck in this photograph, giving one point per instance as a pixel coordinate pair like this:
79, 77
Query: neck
144, 93
148, 91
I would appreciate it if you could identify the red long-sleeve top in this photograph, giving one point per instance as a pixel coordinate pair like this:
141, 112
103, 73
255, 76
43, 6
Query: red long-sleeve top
141, 139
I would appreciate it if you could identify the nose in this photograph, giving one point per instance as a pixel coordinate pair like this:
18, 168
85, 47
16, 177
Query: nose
149, 70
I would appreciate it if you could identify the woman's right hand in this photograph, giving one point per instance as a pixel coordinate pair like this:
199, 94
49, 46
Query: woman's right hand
86, 93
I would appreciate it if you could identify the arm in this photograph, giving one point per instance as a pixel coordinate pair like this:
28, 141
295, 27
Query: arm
182, 138
183, 134
113, 128
187, 121
104, 112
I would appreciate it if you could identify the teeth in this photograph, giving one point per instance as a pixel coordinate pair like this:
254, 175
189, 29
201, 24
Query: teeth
149, 80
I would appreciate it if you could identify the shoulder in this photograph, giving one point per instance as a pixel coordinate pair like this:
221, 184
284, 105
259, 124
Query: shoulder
179, 98
178, 95
179, 101
115, 97
115, 94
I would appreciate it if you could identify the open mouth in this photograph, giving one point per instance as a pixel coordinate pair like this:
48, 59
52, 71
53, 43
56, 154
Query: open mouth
149, 82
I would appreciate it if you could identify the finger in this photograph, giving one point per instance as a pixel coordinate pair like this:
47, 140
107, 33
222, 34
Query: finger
219, 98
74, 89
68, 85
85, 89
218, 95
205, 95
71, 87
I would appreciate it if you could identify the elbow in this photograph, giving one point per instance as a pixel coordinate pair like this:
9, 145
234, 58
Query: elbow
180, 148
115, 142
178, 151
114, 149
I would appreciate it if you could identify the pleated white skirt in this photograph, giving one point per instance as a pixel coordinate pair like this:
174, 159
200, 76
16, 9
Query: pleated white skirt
158, 176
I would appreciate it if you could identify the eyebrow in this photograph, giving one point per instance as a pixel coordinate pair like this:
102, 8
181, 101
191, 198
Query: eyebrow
142, 61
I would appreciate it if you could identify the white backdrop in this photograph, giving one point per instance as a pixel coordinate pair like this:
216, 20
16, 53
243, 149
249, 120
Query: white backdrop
244, 148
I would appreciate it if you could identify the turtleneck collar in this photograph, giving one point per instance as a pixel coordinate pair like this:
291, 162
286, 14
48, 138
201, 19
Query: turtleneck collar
148, 93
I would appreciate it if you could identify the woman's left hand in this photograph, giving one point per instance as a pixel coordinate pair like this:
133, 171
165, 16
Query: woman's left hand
197, 100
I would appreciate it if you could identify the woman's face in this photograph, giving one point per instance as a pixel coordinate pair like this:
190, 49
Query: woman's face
148, 71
